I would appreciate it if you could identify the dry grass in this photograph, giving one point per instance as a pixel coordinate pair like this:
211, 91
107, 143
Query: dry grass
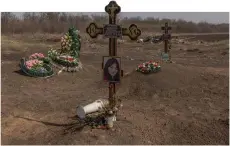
60, 22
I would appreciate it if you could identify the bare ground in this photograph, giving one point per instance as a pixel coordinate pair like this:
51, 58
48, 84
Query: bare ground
186, 103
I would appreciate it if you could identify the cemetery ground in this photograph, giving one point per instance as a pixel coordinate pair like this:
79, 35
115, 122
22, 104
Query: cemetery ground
186, 103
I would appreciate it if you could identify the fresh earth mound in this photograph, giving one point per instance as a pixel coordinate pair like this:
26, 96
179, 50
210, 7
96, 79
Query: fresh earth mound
145, 86
180, 100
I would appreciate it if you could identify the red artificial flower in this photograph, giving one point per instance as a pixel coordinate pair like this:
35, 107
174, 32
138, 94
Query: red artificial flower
70, 59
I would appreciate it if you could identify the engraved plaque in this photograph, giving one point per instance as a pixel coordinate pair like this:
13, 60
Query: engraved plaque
112, 31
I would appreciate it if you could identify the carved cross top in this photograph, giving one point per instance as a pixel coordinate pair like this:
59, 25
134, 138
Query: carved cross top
112, 9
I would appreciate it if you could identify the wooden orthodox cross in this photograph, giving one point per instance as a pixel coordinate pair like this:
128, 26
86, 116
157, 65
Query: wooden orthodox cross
113, 31
166, 36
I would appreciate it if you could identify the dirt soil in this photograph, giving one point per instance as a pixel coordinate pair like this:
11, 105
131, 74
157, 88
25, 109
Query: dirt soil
186, 103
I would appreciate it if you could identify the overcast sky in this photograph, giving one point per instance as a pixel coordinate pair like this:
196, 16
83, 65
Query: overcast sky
211, 17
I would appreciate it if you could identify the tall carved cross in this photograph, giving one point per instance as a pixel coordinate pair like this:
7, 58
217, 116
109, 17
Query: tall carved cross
166, 36
132, 32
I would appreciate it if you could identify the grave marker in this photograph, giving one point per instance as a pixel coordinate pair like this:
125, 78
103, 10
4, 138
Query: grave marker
113, 31
166, 36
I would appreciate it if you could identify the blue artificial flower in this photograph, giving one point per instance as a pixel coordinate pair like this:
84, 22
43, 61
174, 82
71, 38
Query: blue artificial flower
42, 70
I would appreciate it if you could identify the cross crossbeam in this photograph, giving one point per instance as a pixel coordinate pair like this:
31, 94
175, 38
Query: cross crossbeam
93, 30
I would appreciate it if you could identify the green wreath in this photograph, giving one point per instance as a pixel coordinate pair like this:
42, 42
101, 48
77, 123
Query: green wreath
43, 71
70, 46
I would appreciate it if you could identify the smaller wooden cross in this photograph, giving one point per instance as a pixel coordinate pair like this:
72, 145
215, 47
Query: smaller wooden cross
166, 36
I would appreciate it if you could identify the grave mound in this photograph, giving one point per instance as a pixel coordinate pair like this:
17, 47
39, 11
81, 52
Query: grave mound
144, 86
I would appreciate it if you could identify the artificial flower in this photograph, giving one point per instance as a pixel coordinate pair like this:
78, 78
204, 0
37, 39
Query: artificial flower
37, 56
33, 63
148, 67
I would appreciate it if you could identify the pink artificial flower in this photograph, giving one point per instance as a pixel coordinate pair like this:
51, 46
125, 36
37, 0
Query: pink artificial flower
31, 63
28, 64
41, 55
36, 55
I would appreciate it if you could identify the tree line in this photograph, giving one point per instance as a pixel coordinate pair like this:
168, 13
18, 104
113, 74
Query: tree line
59, 22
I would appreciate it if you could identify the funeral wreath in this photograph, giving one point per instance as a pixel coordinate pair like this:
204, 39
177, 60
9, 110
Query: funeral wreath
148, 67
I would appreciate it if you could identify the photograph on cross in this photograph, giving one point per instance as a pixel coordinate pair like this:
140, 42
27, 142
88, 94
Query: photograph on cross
114, 77
112, 69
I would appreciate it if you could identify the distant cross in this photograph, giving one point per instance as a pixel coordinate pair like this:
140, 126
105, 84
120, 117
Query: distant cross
132, 32
166, 36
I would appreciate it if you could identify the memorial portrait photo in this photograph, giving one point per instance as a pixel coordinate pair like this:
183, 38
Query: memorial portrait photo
112, 68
